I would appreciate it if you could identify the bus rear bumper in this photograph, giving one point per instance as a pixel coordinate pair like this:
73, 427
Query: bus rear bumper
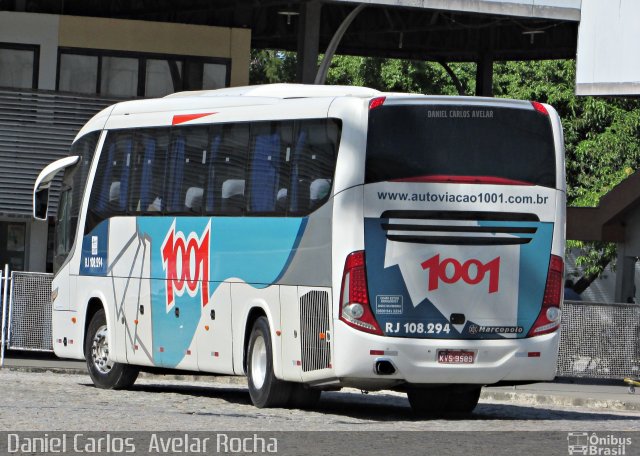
415, 361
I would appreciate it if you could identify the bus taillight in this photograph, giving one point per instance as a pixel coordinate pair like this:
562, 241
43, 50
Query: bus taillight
539, 107
376, 102
354, 297
549, 318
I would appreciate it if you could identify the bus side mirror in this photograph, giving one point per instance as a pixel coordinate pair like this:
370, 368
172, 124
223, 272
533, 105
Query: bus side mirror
41, 204
43, 183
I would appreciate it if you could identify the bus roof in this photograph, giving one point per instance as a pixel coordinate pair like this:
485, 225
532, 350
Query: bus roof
284, 91
273, 94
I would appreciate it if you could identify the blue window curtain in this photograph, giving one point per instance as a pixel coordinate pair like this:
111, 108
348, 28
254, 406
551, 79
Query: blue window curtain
105, 185
264, 173
147, 170
176, 176
211, 189
301, 143
124, 174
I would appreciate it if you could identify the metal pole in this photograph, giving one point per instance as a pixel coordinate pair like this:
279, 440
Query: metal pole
10, 306
5, 285
321, 76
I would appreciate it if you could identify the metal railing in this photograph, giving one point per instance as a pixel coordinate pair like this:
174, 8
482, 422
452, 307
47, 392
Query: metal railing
29, 324
26, 312
4, 286
599, 340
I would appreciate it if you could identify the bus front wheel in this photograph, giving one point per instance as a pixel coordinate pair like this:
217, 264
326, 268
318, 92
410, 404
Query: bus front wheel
104, 372
264, 388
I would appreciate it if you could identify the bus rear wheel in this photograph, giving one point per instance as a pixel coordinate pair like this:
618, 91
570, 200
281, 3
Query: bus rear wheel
461, 399
104, 372
428, 401
264, 388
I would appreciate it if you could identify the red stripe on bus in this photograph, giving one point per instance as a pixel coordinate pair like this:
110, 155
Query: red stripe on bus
182, 118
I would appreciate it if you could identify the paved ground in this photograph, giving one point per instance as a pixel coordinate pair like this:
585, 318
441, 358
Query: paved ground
46, 401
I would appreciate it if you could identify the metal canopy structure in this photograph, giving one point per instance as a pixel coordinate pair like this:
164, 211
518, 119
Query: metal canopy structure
480, 31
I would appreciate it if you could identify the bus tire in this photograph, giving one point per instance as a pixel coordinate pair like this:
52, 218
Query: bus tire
303, 397
428, 401
105, 373
264, 388
463, 399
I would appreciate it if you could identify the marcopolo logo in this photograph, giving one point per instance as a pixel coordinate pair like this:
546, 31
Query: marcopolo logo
471, 272
186, 264
594, 444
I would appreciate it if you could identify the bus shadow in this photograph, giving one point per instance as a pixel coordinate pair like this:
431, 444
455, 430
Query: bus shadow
393, 408
389, 407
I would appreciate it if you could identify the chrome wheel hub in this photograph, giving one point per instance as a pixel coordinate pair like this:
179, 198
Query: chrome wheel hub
259, 362
100, 351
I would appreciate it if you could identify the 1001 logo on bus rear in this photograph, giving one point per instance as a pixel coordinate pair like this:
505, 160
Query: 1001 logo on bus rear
472, 272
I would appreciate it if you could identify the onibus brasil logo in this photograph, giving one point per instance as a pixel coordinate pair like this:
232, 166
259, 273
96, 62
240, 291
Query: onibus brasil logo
585, 443
185, 261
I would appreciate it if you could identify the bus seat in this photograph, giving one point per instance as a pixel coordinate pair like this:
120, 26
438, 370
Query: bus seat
193, 199
282, 200
318, 190
233, 200
114, 191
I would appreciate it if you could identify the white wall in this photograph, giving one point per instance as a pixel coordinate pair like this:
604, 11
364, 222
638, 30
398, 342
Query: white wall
608, 61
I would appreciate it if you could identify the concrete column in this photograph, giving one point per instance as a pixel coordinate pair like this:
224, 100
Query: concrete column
484, 75
308, 41
36, 247
625, 275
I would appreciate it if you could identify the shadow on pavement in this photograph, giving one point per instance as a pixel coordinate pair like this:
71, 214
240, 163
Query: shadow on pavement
385, 407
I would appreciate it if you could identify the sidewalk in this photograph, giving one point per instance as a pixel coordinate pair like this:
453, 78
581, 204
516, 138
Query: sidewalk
607, 395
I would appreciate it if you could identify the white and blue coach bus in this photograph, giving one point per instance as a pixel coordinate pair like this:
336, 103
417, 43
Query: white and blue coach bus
313, 237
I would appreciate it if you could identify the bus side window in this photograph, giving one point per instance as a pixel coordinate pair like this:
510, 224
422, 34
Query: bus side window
111, 183
187, 170
147, 177
269, 167
227, 170
313, 166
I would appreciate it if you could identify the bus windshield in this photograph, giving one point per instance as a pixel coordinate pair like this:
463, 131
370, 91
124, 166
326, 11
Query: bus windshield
453, 142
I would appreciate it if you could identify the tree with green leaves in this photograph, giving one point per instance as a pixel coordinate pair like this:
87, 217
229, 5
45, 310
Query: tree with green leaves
602, 135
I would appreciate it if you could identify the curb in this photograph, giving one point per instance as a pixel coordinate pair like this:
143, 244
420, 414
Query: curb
559, 400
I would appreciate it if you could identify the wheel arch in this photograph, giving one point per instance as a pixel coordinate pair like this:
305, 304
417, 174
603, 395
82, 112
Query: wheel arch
253, 315
93, 307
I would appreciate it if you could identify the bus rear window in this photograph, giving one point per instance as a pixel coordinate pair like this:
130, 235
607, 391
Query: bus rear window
458, 143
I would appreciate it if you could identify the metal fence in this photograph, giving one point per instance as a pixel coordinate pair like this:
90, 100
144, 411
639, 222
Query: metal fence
29, 322
25, 312
599, 340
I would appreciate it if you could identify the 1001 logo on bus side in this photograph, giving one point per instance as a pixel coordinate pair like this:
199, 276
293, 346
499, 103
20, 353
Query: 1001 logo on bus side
186, 264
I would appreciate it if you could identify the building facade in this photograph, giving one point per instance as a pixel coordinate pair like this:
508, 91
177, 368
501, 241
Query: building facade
57, 71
